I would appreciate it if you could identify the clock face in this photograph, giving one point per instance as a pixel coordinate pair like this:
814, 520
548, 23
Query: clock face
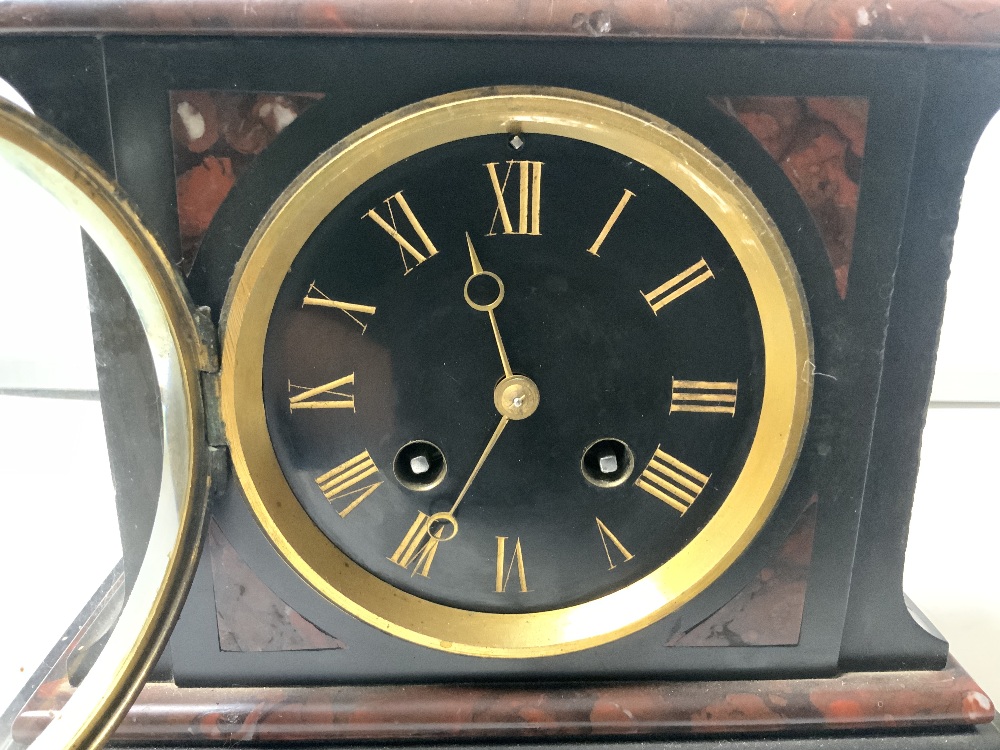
620, 309
508, 387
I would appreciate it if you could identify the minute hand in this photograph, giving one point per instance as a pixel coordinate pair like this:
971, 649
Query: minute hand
479, 464
477, 270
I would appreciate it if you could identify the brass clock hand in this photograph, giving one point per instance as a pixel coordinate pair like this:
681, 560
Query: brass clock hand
443, 526
477, 270
516, 396
479, 464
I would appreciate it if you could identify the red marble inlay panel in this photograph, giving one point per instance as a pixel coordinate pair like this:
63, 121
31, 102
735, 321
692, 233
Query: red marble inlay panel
166, 714
920, 21
819, 143
216, 136
768, 611
251, 617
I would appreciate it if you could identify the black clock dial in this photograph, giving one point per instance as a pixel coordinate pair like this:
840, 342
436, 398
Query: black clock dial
615, 300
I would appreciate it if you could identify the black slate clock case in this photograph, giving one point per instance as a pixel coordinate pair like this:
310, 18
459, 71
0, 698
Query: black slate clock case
873, 349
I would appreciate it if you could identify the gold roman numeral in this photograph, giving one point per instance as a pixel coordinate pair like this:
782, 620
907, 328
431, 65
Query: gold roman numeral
340, 482
529, 197
593, 249
672, 481
607, 536
704, 396
405, 246
324, 396
680, 284
421, 542
316, 298
504, 569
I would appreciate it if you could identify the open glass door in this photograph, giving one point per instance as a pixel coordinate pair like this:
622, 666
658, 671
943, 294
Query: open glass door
91, 583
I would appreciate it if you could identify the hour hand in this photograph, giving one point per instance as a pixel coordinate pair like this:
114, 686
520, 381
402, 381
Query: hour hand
489, 298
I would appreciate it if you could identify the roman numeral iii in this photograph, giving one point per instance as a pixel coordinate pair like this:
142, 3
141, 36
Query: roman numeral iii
529, 179
345, 482
315, 298
679, 285
504, 569
672, 481
390, 227
704, 396
326, 396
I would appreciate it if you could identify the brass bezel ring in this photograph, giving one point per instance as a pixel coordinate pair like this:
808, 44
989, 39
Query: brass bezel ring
99, 703
637, 135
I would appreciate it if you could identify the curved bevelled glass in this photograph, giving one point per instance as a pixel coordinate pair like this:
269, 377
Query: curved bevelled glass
101, 443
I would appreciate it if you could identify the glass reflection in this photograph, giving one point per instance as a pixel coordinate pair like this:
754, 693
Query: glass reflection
60, 549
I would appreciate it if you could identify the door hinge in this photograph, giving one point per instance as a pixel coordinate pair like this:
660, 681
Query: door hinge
215, 434
215, 429
208, 338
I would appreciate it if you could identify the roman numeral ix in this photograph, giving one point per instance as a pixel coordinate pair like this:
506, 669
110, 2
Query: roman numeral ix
326, 396
316, 298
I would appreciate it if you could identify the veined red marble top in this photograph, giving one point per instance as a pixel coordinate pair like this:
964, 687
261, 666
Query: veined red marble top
926, 22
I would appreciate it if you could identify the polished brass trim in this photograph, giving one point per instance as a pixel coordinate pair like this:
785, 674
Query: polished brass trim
670, 152
99, 703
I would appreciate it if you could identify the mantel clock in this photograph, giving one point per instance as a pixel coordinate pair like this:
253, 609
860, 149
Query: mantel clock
537, 373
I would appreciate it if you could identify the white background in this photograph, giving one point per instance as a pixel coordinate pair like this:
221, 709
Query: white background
58, 533
953, 559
